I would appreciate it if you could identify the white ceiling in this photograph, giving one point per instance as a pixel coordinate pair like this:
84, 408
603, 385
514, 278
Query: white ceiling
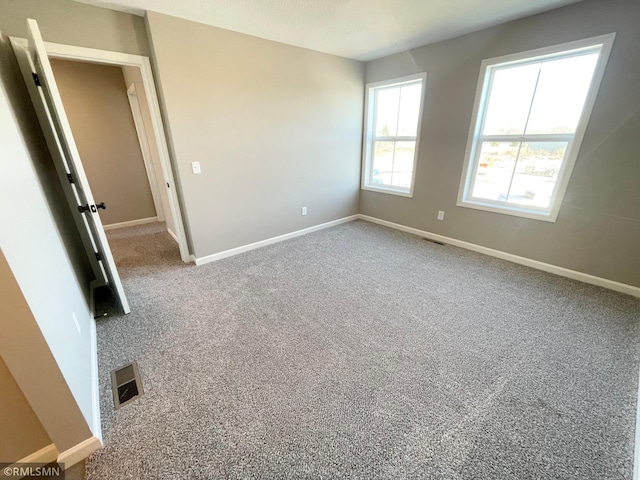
359, 29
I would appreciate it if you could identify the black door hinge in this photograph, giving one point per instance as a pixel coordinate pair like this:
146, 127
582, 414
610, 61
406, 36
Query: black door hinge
98, 256
70, 178
36, 79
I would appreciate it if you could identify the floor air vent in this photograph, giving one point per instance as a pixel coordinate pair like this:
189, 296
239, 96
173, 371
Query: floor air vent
126, 384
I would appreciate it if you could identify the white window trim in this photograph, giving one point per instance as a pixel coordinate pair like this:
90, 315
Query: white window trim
573, 148
369, 116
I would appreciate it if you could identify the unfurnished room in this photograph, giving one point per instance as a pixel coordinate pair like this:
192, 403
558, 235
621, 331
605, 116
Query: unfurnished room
319, 239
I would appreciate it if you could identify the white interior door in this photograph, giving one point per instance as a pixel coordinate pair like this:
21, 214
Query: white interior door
54, 122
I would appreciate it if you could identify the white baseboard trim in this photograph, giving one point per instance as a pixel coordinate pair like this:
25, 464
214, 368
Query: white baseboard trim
636, 448
173, 235
96, 428
269, 241
130, 223
47, 454
79, 452
546, 267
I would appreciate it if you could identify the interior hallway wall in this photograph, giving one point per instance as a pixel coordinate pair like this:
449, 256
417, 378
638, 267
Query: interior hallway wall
132, 75
45, 354
21, 433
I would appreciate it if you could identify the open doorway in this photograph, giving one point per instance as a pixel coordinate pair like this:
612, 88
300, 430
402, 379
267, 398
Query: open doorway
155, 199
120, 162
144, 109
34, 56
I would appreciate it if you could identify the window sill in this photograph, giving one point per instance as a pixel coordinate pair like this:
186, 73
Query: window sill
388, 190
510, 210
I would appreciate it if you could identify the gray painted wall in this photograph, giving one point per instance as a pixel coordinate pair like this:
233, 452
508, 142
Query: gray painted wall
64, 21
95, 99
598, 228
274, 127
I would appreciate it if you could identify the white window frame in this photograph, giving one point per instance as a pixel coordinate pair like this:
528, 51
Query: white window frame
549, 214
370, 138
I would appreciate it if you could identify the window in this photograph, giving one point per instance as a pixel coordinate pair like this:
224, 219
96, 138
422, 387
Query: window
392, 116
530, 115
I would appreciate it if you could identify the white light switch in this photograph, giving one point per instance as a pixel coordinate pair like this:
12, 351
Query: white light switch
440, 215
195, 167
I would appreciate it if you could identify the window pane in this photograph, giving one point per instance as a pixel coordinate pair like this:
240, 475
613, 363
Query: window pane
409, 110
536, 173
510, 100
495, 169
560, 95
382, 170
393, 164
403, 164
387, 101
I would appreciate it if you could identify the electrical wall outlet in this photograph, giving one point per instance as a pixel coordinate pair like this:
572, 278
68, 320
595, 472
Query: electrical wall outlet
304, 210
440, 214
195, 167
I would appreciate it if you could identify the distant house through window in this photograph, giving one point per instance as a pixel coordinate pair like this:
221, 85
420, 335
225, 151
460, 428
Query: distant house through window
393, 114
530, 115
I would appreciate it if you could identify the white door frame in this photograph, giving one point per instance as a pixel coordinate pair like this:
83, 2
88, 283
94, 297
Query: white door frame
138, 121
105, 57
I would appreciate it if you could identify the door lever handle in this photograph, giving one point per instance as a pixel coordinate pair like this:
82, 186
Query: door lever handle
93, 208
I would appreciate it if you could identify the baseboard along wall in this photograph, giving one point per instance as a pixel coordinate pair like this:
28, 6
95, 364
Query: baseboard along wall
130, 223
79, 452
45, 455
546, 267
173, 235
636, 448
69, 458
269, 241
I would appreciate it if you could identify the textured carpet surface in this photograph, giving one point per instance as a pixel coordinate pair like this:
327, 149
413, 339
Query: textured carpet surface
363, 352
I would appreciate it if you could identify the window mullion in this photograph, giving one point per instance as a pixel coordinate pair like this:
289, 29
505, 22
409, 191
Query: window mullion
533, 97
524, 132
393, 159
513, 174
395, 143
372, 141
